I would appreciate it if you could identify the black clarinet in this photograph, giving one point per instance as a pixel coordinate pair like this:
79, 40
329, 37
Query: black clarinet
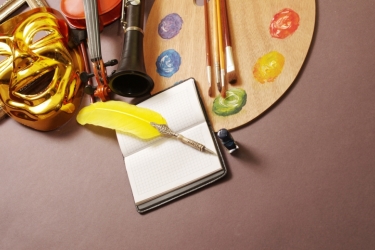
130, 78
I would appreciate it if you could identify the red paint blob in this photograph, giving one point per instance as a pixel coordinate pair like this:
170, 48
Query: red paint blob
284, 23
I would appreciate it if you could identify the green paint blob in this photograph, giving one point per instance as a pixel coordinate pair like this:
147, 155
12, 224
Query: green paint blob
232, 104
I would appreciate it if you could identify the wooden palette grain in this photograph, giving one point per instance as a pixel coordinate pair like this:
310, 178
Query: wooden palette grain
249, 23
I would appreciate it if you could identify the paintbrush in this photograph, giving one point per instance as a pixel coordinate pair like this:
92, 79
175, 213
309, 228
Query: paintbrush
231, 70
221, 48
216, 45
208, 56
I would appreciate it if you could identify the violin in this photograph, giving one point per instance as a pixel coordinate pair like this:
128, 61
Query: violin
93, 15
130, 79
73, 10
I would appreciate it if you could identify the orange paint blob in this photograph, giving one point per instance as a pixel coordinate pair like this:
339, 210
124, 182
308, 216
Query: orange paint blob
284, 23
268, 67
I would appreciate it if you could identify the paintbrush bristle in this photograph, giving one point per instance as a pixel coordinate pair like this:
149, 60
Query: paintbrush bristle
232, 76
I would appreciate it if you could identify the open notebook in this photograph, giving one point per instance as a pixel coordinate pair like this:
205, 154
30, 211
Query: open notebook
163, 169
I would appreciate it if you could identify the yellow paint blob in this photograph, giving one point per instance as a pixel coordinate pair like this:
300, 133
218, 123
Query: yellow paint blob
268, 67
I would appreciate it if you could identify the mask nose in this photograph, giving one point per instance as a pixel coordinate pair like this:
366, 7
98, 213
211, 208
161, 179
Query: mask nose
21, 63
22, 60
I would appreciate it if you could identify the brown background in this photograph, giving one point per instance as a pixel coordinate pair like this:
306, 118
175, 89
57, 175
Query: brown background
304, 176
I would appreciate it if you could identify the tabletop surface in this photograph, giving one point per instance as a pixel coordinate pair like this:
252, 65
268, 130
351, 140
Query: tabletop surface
303, 178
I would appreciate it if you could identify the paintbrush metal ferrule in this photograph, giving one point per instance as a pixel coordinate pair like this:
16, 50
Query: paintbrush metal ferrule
208, 69
222, 74
222, 91
229, 57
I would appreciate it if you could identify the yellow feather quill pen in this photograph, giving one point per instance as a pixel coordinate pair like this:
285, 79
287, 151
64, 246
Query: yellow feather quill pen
141, 122
122, 116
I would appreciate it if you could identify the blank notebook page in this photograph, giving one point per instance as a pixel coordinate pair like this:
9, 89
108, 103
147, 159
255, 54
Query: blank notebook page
158, 166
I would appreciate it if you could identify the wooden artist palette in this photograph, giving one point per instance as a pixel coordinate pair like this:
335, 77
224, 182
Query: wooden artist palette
254, 50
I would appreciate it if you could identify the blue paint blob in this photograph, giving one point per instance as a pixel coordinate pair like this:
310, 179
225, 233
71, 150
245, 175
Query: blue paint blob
170, 26
168, 63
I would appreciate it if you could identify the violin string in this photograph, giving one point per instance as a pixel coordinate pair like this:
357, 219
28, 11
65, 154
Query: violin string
92, 24
86, 5
97, 30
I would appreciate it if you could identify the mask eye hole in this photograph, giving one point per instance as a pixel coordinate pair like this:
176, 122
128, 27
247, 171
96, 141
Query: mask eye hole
40, 35
3, 58
5, 52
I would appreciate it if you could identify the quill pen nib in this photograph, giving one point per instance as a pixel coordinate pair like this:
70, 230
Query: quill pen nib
166, 131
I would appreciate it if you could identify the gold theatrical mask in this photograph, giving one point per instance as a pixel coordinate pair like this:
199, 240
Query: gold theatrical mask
39, 74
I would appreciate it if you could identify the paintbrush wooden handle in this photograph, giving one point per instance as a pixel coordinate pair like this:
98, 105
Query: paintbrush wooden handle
220, 35
208, 48
230, 67
225, 23
215, 41
221, 48
207, 33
